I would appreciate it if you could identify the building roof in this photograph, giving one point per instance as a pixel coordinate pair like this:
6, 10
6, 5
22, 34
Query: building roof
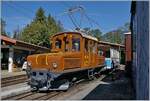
8, 40
23, 44
111, 44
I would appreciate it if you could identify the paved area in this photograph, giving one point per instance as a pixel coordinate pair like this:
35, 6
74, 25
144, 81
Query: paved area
5, 73
112, 87
118, 87
80, 91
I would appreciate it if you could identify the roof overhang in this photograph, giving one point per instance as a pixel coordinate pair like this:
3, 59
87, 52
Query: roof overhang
8, 40
111, 44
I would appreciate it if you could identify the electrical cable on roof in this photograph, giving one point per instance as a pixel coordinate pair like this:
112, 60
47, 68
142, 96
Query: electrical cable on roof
88, 19
80, 24
72, 21
70, 12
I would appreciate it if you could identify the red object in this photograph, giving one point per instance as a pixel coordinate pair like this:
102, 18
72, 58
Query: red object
8, 40
128, 47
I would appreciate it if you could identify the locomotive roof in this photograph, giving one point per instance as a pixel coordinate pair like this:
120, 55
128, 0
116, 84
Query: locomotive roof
81, 33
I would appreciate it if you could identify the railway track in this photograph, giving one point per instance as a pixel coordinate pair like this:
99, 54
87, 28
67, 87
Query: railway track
50, 94
13, 80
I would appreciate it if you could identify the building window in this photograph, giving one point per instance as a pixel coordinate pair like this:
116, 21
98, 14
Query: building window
107, 54
100, 52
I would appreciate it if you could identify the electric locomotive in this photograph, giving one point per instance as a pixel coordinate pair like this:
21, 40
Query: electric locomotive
73, 55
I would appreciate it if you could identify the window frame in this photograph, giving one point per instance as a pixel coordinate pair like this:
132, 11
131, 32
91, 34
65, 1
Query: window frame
60, 43
78, 38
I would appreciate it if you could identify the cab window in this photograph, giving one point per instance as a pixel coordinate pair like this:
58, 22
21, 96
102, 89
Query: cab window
58, 43
94, 47
108, 54
75, 44
91, 45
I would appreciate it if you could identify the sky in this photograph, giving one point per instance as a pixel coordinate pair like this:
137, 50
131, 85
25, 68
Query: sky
108, 14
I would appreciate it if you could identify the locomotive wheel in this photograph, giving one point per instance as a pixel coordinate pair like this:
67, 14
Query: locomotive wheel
64, 84
97, 74
34, 89
91, 74
48, 84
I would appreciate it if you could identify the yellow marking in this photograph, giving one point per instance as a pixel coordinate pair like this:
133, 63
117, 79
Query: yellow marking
46, 60
36, 59
70, 36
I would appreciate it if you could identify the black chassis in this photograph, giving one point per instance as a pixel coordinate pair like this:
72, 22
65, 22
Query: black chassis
44, 78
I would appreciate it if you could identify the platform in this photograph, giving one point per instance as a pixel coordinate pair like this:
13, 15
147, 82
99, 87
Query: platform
5, 73
14, 89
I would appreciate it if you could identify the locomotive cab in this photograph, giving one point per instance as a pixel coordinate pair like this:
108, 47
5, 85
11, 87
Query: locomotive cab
66, 42
73, 55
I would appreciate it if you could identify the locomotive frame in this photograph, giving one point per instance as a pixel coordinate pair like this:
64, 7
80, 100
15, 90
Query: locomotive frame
74, 55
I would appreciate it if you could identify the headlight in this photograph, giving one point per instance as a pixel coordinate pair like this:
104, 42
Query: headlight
55, 65
29, 63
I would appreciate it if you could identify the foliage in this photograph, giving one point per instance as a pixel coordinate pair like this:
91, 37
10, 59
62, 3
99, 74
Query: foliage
117, 36
97, 33
94, 32
40, 29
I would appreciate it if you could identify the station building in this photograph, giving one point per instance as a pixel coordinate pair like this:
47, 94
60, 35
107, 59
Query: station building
13, 52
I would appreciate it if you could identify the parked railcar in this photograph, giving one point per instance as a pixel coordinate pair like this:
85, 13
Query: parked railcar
73, 55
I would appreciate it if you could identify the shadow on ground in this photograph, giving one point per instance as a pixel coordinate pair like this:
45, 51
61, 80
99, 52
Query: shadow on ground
114, 87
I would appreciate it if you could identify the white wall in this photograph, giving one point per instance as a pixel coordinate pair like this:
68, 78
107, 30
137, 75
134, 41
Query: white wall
114, 54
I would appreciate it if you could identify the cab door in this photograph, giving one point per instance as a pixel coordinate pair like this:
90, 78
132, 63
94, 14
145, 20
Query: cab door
87, 53
72, 56
91, 55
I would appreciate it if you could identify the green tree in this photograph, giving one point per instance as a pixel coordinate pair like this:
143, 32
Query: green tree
117, 35
125, 27
40, 16
113, 36
96, 33
40, 29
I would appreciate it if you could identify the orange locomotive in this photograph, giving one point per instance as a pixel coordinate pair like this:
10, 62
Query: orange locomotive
74, 55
